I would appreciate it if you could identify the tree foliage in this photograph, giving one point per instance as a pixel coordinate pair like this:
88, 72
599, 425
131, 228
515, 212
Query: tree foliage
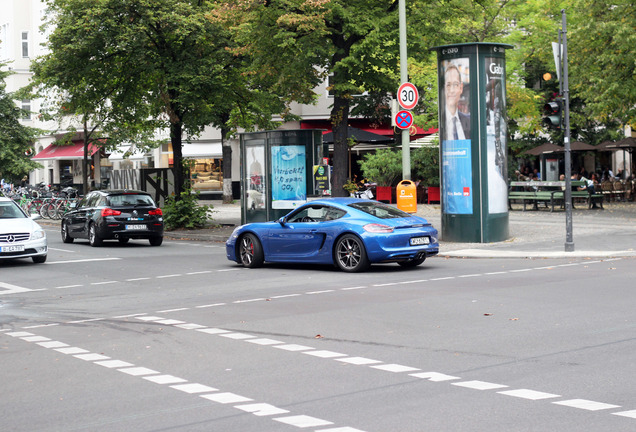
15, 139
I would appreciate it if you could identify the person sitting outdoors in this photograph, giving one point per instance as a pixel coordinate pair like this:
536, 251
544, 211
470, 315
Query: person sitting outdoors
588, 185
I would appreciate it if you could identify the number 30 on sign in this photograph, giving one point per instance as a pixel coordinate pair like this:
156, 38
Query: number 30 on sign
407, 96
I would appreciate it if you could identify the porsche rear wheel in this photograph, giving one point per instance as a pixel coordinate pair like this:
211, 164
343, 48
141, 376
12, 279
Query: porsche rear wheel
350, 254
250, 251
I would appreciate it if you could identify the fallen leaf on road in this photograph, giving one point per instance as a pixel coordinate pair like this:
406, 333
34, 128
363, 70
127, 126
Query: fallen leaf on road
487, 314
318, 336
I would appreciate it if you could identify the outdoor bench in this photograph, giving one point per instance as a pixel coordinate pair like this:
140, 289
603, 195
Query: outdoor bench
550, 193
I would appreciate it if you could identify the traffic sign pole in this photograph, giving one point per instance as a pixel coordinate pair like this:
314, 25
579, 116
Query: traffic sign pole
404, 77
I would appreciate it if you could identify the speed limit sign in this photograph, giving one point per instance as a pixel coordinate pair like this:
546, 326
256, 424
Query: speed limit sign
407, 96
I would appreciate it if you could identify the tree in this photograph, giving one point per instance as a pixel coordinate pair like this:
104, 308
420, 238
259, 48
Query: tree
144, 64
15, 139
301, 42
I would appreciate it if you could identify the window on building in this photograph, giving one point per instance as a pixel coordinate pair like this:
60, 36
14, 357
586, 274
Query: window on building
25, 44
26, 107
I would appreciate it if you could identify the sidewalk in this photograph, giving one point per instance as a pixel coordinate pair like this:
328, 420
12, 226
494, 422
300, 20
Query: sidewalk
533, 234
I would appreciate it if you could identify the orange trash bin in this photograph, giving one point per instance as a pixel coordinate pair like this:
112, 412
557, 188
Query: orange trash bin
407, 196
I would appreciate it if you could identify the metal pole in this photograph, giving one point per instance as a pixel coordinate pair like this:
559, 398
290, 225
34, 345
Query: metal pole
569, 241
404, 77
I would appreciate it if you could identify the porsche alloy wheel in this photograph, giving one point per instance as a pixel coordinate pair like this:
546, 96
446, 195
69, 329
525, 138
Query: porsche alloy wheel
250, 251
351, 256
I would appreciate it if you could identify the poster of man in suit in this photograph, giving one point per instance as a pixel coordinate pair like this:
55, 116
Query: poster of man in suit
455, 125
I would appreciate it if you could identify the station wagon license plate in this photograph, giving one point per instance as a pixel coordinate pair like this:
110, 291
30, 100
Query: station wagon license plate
416, 241
136, 227
16, 248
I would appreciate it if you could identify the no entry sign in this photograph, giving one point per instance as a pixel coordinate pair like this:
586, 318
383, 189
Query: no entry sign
408, 96
403, 119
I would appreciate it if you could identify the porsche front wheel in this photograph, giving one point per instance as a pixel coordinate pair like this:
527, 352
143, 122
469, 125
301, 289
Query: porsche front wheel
350, 254
250, 251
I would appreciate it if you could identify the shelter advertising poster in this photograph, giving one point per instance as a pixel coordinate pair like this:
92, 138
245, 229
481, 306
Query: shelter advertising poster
289, 176
496, 135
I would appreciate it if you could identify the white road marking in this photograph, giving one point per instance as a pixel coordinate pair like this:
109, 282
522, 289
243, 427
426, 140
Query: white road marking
631, 414
35, 339
52, 344
68, 286
285, 296
353, 288
529, 394
303, 421
237, 336
293, 347
168, 276
324, 354
443, 278
249, 301
434, 376
71, 350
41, 325
586, 404
20, 334
395, 368
114, 364
479, 385
138, 371
165, 379
173, 310
194, 388
210, 305
137, 279
83, 260
213, 330
190, 326
199, 272
91, 357
261, 409
470, 275
104, 283
12, 289
86, 320
319, 292
264, 341
149, 318
358, 360
226, 398
170, 322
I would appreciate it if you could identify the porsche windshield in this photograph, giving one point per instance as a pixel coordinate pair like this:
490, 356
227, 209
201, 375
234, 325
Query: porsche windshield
379, 210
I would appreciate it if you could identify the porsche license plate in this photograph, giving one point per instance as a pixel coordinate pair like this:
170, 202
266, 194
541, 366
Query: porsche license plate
136, 227
16, 248
416, 241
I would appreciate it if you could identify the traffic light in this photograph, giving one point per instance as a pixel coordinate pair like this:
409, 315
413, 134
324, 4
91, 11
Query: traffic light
553, 113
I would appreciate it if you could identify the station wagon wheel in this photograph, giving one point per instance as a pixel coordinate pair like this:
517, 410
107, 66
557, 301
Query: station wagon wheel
350, 254
250, 251
66, 238
93, 238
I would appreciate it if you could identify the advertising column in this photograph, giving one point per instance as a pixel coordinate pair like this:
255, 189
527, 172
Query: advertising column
472, 135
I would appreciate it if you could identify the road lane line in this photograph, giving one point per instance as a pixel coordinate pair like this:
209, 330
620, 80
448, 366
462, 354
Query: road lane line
528, 394
479, 385
586, 404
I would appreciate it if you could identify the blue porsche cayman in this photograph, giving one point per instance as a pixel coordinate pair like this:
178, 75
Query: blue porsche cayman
348, 232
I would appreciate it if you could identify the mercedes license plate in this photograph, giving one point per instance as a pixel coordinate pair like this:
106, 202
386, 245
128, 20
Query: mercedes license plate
136, 227
17, 248
416, 241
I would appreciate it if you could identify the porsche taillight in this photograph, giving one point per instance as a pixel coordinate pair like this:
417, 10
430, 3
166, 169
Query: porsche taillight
378, 228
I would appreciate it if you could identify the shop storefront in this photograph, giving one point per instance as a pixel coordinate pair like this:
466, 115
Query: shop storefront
206, 160
63, 164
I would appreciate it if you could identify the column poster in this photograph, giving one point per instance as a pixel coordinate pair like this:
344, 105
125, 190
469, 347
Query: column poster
455, 125
496, 135
289, 176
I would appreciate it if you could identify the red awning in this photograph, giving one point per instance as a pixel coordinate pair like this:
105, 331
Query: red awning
67, 152
365, 125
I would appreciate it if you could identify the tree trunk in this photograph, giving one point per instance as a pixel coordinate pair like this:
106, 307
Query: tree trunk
227, 168
339, 124
176, 132
85, 160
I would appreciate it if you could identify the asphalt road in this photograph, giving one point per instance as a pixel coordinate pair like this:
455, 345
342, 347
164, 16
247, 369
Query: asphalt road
177, 338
